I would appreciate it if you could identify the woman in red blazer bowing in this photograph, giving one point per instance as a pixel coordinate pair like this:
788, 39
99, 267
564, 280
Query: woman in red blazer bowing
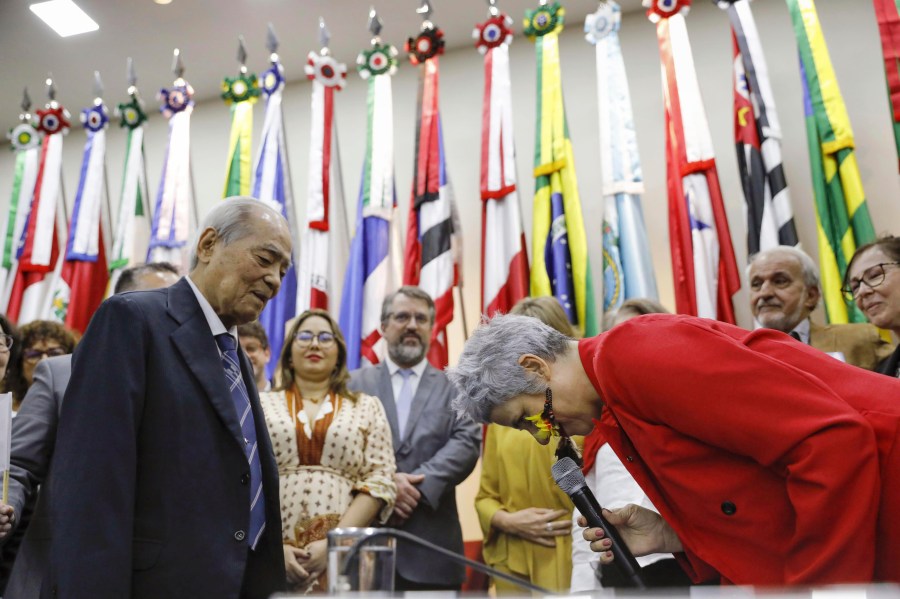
769, 462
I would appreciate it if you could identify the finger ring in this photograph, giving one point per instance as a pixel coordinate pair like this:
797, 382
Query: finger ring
549, 526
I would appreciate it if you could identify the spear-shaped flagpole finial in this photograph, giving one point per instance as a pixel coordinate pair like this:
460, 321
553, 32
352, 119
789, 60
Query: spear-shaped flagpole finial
26, 103
51, 88
177, 64
324, 36
375, 24
242, 54
425, 11
272, 43
494, 11
131, 76
98, 88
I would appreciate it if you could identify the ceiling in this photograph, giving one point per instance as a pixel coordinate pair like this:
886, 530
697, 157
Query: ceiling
206, 31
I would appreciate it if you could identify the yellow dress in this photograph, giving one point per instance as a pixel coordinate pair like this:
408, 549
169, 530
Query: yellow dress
515, 474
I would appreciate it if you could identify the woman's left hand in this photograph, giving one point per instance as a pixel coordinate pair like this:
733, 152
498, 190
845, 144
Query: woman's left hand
317, 561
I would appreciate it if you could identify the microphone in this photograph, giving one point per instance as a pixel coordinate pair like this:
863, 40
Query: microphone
568, 476
376, 533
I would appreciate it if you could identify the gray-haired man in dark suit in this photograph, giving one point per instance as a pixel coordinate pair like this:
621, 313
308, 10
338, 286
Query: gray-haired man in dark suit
434, 450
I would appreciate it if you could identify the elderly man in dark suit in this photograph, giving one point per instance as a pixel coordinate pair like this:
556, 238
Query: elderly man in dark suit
165, 477
435, 451
26, 551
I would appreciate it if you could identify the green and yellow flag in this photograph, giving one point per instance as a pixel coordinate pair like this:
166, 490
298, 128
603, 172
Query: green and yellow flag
842, 217
561, 267
241, 93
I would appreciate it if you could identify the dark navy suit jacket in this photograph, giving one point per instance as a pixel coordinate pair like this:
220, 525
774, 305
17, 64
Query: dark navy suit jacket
151, 493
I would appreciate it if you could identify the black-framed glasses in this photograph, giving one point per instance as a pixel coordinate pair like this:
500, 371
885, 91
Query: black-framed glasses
403, 318
872, 277
33, 355
305, 338
6, 343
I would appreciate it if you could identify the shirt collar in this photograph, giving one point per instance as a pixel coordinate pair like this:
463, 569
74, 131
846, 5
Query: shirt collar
802, 329
212, 319
418, 369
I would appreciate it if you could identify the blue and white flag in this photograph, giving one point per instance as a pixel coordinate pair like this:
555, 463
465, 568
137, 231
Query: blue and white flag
272, 185
627, 268
374, 267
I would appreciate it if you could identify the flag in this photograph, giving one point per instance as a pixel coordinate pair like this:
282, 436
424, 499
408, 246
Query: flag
842, 216
703, 264
627, 267
39, 251
82, 283
133, 194
560, 265
325, 245
240, 93
272, 185
504, 259
171, 225
432, 230
886, 11
373, 270
26, 143
757, 132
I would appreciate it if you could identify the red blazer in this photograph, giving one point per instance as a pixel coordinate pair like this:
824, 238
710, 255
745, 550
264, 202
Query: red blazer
774, 463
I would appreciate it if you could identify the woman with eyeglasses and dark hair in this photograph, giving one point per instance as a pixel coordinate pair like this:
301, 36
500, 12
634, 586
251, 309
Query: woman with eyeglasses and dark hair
10, 347
873, 282
333, 447
40, 339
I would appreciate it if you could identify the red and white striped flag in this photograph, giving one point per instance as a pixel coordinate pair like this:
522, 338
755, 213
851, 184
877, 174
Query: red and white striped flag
325, 244
38, 262
432, 244
504, 259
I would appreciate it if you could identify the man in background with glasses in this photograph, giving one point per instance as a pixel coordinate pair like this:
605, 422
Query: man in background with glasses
435, 451
784, 290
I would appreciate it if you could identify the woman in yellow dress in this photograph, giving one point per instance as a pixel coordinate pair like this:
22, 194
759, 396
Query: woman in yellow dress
333, 448
526, 519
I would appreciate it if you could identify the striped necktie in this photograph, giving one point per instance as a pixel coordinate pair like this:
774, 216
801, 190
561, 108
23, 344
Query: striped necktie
241, 401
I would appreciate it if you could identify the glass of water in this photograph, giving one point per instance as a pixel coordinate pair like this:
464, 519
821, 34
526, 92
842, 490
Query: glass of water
371, 570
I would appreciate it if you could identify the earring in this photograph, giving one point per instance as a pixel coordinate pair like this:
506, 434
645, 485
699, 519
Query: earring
566, 448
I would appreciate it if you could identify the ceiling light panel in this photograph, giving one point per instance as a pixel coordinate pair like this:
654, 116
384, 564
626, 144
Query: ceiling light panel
64, 17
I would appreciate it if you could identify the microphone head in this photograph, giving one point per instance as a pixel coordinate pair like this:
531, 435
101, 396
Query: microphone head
568, 475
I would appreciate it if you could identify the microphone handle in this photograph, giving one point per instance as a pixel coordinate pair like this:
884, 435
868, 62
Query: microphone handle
587, 504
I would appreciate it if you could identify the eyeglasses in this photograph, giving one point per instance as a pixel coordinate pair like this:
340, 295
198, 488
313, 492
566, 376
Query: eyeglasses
404, 318
6, 343
305, 338
873, 277
33, 355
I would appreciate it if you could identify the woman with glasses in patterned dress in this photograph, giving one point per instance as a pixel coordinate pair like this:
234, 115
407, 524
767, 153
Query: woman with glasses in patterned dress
40, 339
333, 447
873, 282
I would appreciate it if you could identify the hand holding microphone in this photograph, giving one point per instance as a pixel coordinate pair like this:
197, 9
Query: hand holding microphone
644, 532
568, 476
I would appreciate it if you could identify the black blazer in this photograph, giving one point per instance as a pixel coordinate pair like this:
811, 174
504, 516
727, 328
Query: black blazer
149, 474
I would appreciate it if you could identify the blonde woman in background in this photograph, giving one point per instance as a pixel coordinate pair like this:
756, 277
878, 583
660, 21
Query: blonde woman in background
333, 448
526, 519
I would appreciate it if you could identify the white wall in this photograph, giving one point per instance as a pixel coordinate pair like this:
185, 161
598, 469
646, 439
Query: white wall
850, 29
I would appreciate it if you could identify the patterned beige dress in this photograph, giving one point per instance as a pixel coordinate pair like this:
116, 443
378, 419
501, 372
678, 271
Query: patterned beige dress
323, 464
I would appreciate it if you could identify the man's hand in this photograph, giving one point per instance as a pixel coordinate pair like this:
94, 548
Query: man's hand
536, 524
408, 495
295, 572
644, 532
7, 519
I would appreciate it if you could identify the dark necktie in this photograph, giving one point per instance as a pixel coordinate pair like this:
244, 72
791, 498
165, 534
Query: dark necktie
796, 336
241, 401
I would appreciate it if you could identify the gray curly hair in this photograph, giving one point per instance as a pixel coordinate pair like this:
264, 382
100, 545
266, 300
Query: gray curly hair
489, 374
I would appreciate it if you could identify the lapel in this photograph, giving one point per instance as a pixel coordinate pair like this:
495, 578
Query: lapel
198, 349
385, 391
423, 394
